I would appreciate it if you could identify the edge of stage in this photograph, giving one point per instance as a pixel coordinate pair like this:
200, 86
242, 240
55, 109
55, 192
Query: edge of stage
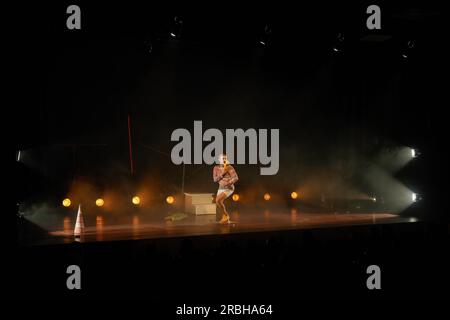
155, 226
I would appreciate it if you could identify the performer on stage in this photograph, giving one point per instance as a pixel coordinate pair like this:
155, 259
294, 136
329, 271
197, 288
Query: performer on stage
226, 176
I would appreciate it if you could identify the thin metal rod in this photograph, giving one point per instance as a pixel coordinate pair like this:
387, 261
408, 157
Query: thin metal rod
129, 144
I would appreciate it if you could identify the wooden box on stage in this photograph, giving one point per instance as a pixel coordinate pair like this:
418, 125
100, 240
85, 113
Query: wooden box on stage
199, 203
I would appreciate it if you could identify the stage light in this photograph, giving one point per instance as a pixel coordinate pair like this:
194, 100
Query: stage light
170, 199
18, 155
66, 202
374, 199
414, 153
235, 197
266, 36
266, 196
338, 43
294, 195
99, 202
408, 48
415, 197
176, 28
136, 200
149, 46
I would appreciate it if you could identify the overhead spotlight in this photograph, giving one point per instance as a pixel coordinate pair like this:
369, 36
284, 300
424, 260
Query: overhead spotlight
176, 28
149, 46
18, 155
408, 48
339, 43
266, 36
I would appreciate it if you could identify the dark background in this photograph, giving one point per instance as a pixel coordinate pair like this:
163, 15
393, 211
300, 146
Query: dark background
336, 112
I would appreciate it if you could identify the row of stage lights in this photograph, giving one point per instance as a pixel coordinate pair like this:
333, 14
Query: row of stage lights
136, 200
265, 38
170, 199
100, 202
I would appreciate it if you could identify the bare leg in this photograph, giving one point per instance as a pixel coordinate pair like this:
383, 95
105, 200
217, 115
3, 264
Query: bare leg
219, 202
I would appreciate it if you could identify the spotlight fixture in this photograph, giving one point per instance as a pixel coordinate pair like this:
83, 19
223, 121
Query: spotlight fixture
148, 46
415, 197
294, 195
414, 153
235, 197
176, 28
339, 43
266, 36
18, 155
408, 48
267, 196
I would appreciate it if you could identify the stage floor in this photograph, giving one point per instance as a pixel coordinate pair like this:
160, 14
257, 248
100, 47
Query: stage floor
144, 226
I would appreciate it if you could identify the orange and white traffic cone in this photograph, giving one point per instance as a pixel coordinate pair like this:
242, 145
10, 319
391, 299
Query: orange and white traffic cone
79, 224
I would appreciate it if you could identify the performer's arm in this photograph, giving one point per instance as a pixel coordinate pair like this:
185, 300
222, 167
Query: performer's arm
233, 175
216, 174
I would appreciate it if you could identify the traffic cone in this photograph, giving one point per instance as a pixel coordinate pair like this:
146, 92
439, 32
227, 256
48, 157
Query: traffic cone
79, 224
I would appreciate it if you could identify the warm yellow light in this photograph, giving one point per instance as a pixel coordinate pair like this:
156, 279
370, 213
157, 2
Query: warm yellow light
66, 202
99, 202
266, 196
235, 197
136, 200
170, 199
294, 195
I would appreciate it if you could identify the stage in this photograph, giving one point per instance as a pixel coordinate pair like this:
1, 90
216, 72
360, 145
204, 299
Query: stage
141, 226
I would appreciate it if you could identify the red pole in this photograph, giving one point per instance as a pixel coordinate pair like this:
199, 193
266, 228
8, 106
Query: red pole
129, 143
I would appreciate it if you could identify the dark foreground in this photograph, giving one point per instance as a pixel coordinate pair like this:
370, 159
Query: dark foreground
265, 265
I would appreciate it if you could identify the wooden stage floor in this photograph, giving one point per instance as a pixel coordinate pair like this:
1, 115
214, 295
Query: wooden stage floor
144, 226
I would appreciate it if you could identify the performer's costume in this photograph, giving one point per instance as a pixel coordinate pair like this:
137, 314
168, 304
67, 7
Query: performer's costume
226, 182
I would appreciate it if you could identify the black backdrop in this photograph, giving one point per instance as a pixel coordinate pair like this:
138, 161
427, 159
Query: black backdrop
335, 110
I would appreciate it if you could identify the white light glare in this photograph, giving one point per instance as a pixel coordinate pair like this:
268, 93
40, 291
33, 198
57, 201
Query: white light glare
18, 156
414, 197
413, 153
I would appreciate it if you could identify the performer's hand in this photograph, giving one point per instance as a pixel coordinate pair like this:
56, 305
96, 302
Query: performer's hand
224, 170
